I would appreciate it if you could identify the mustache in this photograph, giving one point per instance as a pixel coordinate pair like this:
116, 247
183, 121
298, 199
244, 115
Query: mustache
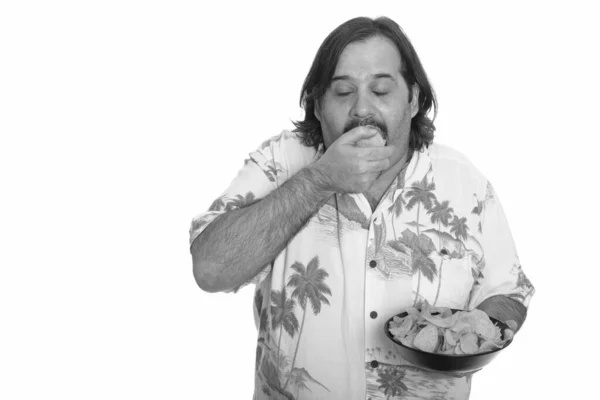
369, 121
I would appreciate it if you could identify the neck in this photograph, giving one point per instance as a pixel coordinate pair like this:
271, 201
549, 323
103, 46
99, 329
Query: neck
388, 176
383, 182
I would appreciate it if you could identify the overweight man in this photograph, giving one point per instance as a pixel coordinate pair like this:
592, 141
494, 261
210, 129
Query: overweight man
352, 217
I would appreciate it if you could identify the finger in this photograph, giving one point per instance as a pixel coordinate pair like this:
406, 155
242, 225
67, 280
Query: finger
373, 141
375, 153
358, 133
377, 166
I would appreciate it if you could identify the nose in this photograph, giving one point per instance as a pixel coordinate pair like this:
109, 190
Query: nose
363, 106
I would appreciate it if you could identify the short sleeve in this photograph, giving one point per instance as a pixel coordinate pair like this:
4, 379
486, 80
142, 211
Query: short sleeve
500, 272
261, 174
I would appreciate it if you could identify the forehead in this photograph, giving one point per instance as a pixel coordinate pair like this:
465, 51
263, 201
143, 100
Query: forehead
373, 56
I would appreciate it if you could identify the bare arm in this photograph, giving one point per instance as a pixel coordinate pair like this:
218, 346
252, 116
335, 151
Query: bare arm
238, 244
504, 308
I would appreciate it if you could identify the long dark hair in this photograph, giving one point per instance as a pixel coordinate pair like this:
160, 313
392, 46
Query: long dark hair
323, 67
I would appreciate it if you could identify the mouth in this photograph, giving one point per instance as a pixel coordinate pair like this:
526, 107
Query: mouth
369, 122
381, 133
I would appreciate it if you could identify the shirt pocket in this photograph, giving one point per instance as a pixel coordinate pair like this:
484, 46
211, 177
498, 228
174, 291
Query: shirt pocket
449, 284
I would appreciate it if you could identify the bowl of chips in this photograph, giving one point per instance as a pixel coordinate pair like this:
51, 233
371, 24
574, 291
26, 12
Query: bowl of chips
445, 339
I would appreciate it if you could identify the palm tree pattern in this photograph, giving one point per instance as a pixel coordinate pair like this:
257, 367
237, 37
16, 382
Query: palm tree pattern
308, 287
421, 193
440, 213
273, 169
226, 204
421, 237
282, 314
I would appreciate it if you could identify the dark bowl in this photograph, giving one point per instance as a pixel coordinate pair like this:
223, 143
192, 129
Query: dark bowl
445, 362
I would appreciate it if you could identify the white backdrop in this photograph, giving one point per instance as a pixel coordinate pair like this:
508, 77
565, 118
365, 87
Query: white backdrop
120, 120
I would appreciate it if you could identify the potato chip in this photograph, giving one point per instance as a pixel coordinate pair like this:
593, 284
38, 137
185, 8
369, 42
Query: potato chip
486, 329
448, 342
441, 321
468, 343
427, 339
489, 345
407, 340
410, 337
412, 311
403, 329
450, 337
462, 326
446, 313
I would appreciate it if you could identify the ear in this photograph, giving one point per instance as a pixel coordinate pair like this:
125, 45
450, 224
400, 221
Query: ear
318, 110
414, 101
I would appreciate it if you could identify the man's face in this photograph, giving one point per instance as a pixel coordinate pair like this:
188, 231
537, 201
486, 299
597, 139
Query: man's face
368, 89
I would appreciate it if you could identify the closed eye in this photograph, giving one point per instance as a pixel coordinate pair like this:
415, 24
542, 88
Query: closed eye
379, 94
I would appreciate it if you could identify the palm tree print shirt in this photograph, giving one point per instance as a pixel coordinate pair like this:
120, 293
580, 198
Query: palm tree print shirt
439, 233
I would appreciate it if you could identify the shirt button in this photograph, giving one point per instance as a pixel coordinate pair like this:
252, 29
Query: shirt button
373, 314
374, 364
373, 264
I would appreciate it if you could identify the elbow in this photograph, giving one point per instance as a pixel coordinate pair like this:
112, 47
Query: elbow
205, 284
203, 270
205, 278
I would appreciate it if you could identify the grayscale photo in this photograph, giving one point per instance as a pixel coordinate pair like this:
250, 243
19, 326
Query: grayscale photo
297, 200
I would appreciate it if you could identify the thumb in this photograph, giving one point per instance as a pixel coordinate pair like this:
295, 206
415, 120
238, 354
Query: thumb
362, 132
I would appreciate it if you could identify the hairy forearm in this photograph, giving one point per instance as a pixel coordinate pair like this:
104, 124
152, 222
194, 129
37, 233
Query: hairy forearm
238, 244
504, 309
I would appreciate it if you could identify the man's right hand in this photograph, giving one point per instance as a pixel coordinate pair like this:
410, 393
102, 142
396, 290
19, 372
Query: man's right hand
347, 168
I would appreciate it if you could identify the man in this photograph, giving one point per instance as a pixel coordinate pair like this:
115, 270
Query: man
352, 218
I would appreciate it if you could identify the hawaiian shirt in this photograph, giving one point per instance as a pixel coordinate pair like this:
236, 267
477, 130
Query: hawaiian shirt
439, 234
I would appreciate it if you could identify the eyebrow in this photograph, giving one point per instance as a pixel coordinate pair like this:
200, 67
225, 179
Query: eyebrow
380, 75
